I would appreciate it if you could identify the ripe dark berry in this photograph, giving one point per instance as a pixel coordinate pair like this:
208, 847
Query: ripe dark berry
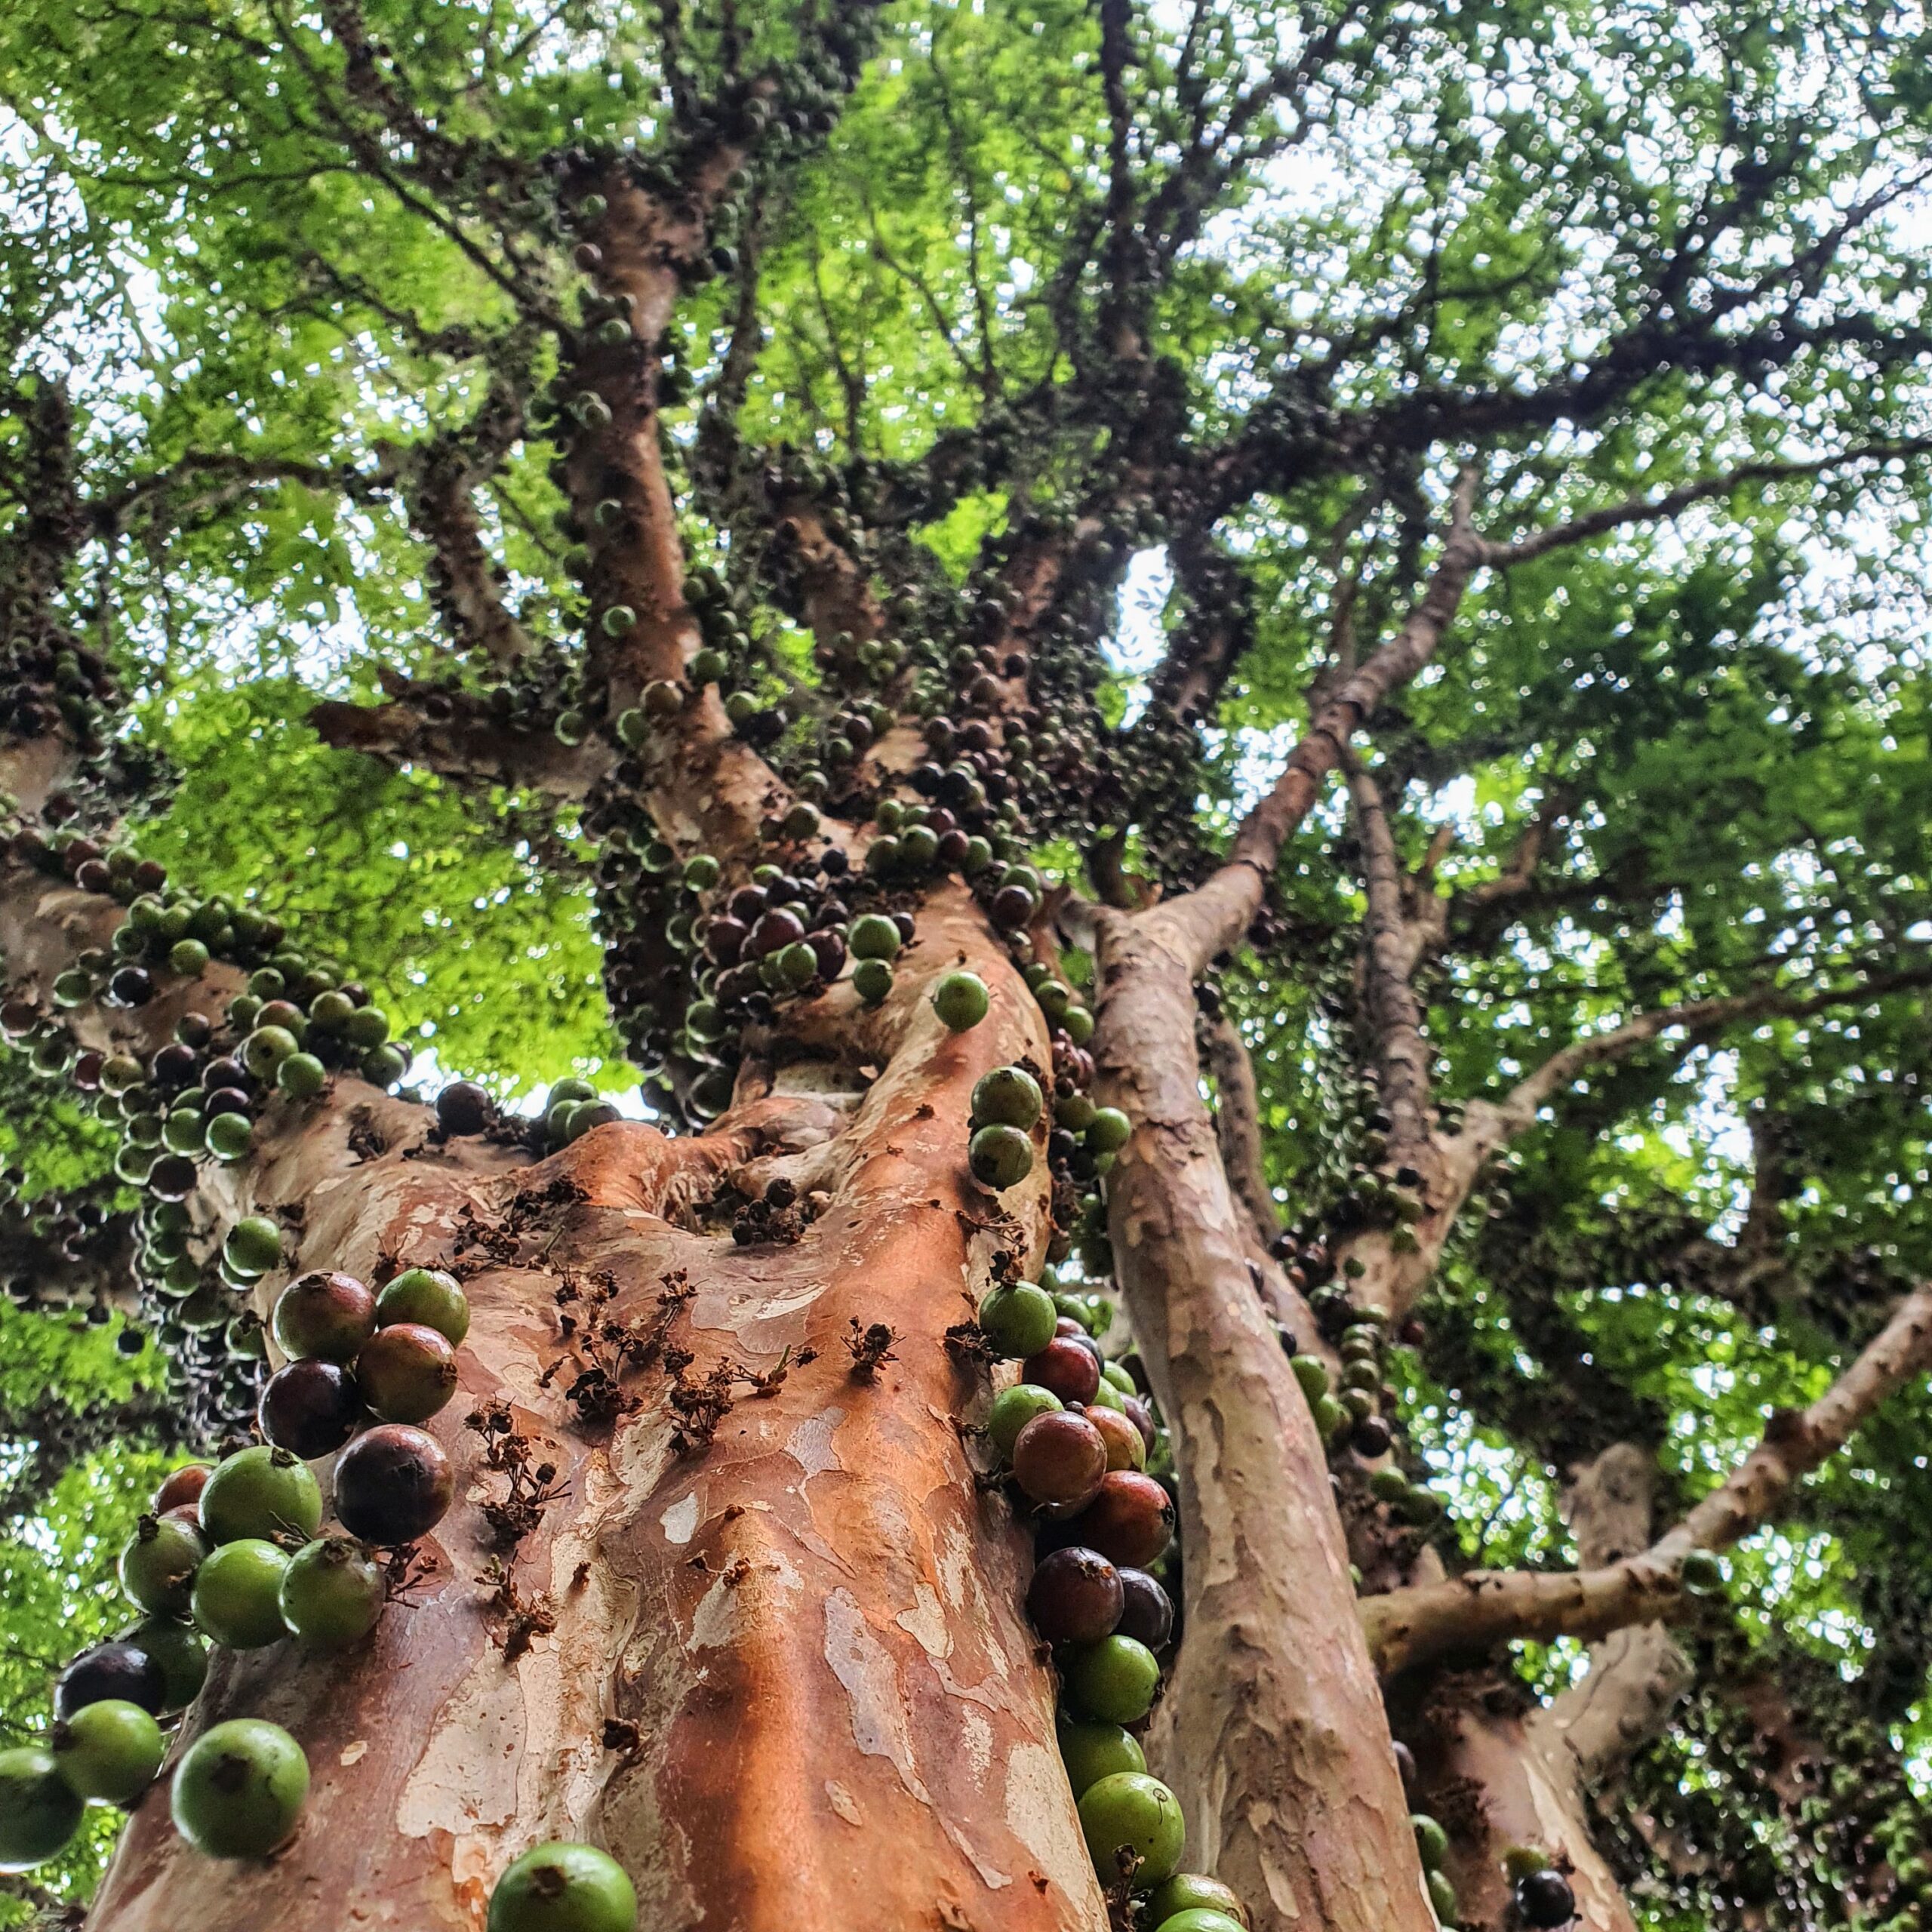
1147, 1612
392, 1484
1067, 1366
1130, 1520
1059, 1458
464, 1107
120, 1669
311, 1407
1544, 1899
327, 1315
1075, 1597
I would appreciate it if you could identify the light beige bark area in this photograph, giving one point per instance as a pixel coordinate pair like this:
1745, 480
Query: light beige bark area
1276, 1744
789, 1681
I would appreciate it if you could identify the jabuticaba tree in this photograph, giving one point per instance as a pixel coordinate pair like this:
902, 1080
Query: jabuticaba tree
1282, 1286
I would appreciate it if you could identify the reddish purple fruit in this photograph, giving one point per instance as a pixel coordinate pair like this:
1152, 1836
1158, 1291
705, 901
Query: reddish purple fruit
121, 1670
393, 1484
1072, 1372
181, 1486
310, 1408
1075, 1597
326, 1314
1130, 1520
1059, 1457
1147, 1612
407, 1372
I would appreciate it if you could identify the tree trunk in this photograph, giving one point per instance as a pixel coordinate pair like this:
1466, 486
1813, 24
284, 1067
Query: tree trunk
788, 1680
1279, 1748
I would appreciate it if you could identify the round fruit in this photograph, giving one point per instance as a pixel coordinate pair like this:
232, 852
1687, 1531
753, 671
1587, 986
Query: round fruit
1114, 1679
1074, 1597
1147, 1612
182, 1485
1133, 1828
158, 1563
1702, 1574
1432, 1841
1544, 1899
563, 1888
1193, 1891
871, 980
1199, 1918
873, 937
238, 1594
310, 1408
1131, 1520
1520, 1860
1012, 1409
110, 1751
238, 1788
183, 1658
323, 1314
392, 1484
1000, 1156
229, 1136
1126, 1450
252, 1246
406, 1372
38, 1810
1108, 1131
1059, 1457
1442, 1898
332, 1593
429, 1297
301, 1076
1071, 1369
1092, 1751
118, 1669
961, 1000
464, 1107
1018, 1320
1007, 1096
263, 1492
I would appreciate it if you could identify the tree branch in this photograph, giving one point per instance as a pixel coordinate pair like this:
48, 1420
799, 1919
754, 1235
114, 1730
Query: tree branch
1402, 1055
1519, 1106
1483, 1608
1238, 1125
1205, 921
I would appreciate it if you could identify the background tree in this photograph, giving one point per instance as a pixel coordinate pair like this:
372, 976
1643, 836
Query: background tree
480, 480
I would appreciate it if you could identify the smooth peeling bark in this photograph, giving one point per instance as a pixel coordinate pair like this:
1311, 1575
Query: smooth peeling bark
1272, 1732
1493, 1784
824, 1704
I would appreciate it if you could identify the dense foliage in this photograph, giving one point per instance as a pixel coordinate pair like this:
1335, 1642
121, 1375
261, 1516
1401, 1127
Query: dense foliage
1591, 250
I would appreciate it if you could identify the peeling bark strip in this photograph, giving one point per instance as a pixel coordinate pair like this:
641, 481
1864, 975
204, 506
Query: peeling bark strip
1485, 1607
804, 1648
1278, 1747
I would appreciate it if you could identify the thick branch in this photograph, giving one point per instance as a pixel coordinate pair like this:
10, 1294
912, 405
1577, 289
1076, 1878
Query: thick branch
1485, 1607
1206, 921
1402, 1057
1519, 1108
1238, 1125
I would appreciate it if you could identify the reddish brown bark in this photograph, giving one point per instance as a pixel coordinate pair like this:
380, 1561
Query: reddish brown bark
813, 1625
1278, 1746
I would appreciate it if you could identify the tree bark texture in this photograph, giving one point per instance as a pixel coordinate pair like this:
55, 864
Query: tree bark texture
1279, 1748
788, 1680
